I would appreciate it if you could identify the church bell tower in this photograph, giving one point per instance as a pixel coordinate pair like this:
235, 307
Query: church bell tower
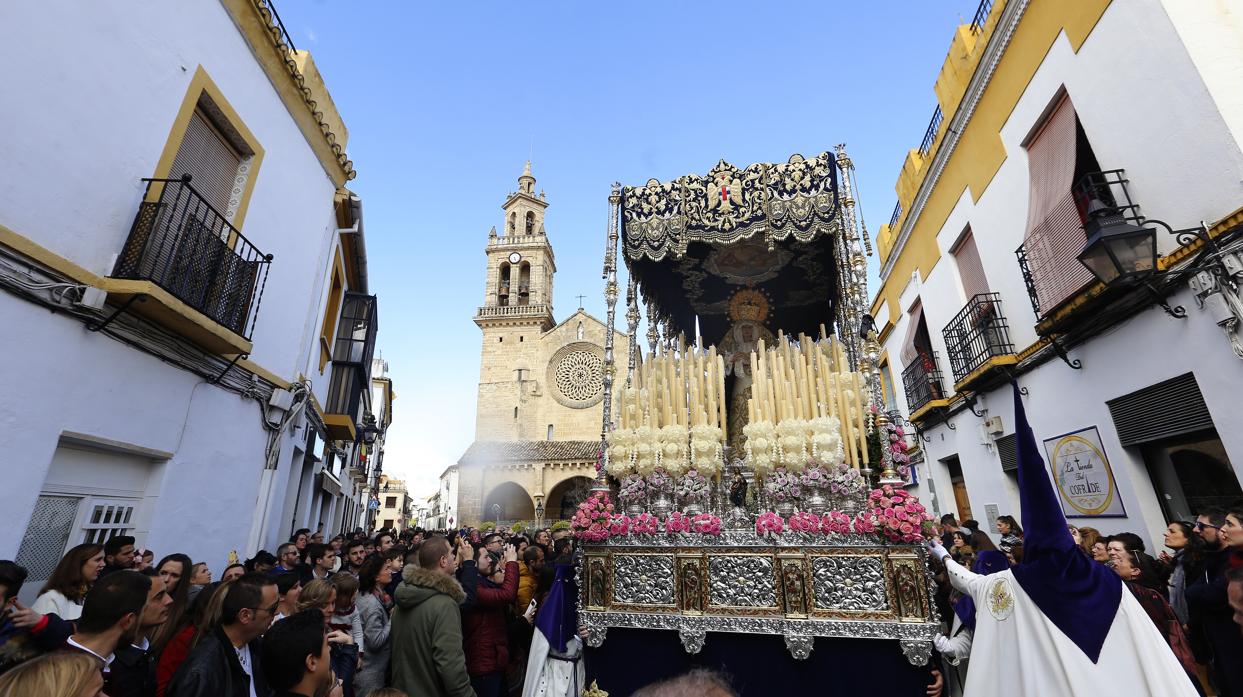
516, 311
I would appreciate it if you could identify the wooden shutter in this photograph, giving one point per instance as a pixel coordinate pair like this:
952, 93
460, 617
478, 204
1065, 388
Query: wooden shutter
970, 268
1169, 408
209, 159
1055, 234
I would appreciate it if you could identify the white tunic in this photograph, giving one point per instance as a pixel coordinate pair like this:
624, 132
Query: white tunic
552, 677
1018, 652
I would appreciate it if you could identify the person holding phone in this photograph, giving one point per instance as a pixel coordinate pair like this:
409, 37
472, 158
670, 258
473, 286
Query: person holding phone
485, 629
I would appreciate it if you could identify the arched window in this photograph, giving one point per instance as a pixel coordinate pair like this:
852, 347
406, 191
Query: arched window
530, 222
502, 286
513, 224
524, 283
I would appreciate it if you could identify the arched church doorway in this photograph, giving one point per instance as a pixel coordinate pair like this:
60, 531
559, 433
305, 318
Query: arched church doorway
508, 502
564, 498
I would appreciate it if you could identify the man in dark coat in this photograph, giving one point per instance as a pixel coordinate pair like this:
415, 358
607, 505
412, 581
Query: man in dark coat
226, 662
132, 672
485, 626
428, 660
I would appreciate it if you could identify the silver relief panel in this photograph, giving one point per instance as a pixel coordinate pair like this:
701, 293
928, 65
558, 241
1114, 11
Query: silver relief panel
849, 583
741, 581
643, 579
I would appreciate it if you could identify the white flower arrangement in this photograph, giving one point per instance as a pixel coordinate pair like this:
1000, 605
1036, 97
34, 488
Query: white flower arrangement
792, 440
706, 448
761, 445
673, 449
621, 450
646, 449
826, 439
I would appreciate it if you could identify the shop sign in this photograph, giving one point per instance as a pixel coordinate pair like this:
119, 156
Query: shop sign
1085, 481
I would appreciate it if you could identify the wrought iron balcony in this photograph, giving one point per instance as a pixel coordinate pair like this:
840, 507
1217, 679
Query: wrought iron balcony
981, 16
923, 383
930, 135
182, 244
349, 389
1102, 193
978, 339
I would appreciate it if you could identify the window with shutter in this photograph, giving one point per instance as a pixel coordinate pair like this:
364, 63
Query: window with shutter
1055, 233
970, 268
1169, 408
210, 159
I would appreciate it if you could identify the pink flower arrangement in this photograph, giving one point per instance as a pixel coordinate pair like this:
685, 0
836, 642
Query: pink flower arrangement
897, 448
677, 522
619, 525
769, 523
805, 522
863, 525
645, 524
835, 523
593, 518
706, 523
897, 515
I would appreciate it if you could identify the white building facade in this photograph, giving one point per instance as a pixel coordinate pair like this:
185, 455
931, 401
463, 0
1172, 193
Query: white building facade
179, 354
1051, 118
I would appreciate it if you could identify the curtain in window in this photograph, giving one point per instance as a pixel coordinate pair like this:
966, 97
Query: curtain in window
1054, 230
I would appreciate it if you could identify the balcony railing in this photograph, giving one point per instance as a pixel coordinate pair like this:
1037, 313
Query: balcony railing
981, 16
513, 310
977, 334
182, 244
930, 135
922, 382
897, 213
1102, 194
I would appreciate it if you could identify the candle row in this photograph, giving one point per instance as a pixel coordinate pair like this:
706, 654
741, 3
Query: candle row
677, 388
810, 380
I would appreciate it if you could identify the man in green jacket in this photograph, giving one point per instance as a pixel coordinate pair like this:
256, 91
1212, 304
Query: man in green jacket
428, 658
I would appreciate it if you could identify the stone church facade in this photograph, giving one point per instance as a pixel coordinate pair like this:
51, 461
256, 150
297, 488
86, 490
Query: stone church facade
539, 409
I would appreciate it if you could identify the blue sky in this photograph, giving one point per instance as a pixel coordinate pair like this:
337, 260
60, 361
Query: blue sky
445, 101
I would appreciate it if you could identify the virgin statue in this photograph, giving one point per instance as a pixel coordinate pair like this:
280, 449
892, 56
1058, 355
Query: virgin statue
747, 310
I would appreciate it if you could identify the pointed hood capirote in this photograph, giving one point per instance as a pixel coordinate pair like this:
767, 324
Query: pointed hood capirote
1078, 595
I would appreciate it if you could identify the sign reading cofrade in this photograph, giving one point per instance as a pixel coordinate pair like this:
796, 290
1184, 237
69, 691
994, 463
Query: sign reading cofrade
1084, 479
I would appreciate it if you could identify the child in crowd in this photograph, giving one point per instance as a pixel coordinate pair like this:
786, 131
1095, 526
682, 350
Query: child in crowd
346, 658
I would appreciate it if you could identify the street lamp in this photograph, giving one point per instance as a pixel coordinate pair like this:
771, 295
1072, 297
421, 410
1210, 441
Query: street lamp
496, 513
369, 429
1117, 250
539, 512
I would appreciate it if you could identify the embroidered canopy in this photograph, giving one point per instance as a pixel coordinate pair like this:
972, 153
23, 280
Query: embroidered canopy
695, 241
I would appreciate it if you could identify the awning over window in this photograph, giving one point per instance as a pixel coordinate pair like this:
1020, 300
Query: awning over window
909, 351
1055, 234
970, 268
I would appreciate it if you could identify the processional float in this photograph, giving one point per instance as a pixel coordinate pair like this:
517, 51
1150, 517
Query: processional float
759, 485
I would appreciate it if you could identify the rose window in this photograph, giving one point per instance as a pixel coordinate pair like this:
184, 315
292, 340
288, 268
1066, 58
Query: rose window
579, 376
